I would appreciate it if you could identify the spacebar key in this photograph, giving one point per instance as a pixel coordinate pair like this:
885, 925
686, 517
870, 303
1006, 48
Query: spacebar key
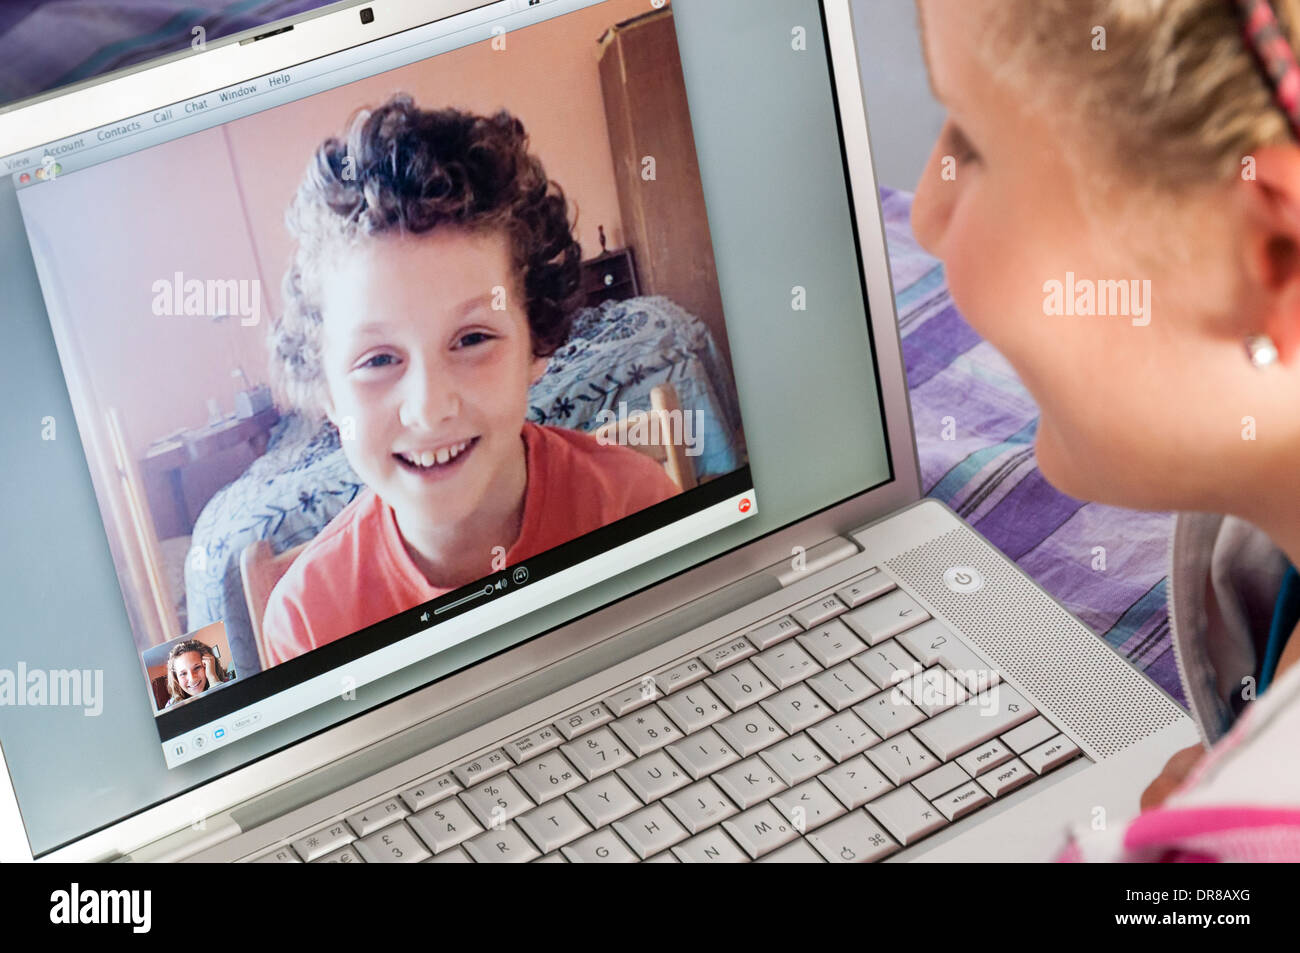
964, 726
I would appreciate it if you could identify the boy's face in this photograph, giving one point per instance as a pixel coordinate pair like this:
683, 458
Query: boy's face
420, 365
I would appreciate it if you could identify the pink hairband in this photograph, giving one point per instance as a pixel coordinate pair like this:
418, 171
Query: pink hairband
1266, 40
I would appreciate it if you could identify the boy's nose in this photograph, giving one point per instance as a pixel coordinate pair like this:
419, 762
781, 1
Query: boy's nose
429, 398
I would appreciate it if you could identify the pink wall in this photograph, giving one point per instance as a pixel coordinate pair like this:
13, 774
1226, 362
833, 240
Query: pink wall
547, 76
211, 205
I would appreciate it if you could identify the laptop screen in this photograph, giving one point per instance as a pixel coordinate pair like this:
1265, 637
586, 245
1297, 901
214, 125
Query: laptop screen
333, 382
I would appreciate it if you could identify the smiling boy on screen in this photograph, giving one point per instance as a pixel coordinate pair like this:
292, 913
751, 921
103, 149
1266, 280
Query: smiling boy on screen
432, 281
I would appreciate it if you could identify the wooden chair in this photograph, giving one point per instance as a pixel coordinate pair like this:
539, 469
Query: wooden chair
261, 569
672, 456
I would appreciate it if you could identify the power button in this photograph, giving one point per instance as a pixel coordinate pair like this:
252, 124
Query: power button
963, 579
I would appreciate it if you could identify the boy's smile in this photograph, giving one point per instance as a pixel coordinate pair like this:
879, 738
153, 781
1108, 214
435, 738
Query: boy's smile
428, 361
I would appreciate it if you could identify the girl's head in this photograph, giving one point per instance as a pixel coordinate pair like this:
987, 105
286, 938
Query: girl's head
1093, 142
433, 277
187, 669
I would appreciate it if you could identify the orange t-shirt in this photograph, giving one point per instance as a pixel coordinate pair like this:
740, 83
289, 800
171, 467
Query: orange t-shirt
357, 571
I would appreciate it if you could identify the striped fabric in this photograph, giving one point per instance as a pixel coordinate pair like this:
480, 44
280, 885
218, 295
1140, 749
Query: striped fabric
975, 427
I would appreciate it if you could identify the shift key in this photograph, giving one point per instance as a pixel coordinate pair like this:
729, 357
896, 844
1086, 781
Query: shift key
962, 727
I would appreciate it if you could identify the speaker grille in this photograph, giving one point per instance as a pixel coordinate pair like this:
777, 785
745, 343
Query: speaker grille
1087, 687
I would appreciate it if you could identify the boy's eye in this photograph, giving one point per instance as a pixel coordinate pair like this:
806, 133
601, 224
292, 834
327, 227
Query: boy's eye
474, 337
379, 360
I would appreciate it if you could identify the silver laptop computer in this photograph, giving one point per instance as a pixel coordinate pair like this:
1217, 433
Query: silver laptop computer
727, 626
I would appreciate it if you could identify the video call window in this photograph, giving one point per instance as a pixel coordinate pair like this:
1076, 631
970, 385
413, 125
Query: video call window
363, 349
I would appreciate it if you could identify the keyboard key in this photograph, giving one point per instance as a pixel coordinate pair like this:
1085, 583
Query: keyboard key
653, 776
843, 736
808, 806
885, 617
940, 781
604, 801
961, 801
551, 826
741, 685
531, 745
456, 856
281, 855
853, 839
796, 759
933, 643
962, 727
815, 613
932, 691
786, 665
766, 636
376, 816
471, 772
597, 753
679, 676
551, 859
323, 841
496, 801
984, 758
902, 758
855, 782
694, 708
344, 855
711, 847
720, 656
798, 851
888, 713
546, 777
700, 806
506, 845
667, 857
445, 825
646, 730
760, 830
633, 697
1029, 735
796, 708
393, 845
869, 587
906, 815
842, 686
749, 731
831, 644
429, 792
750, 781
1050, 754
585, 719
1006, 778
650, 830
602, 847
703, 753
887, 664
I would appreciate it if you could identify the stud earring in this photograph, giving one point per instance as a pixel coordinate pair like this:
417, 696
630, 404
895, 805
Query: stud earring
1261, 350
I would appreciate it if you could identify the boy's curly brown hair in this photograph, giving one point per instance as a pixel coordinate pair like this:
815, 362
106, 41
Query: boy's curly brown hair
406, 170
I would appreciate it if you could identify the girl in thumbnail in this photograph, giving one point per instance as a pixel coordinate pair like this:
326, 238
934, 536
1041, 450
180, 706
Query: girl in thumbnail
192, 668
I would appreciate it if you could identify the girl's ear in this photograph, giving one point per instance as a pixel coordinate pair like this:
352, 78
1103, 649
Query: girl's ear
1272, 244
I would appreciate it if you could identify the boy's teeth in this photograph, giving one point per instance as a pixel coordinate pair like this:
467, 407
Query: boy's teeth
430, 457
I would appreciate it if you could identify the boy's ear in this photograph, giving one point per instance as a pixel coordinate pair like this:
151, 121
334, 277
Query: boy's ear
1272, 244
540, 364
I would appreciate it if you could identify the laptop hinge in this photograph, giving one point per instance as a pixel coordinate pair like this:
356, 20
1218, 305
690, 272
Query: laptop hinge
801, 561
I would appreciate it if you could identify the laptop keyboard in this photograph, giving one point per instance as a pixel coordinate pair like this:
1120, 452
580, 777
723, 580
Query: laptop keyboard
846, 730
